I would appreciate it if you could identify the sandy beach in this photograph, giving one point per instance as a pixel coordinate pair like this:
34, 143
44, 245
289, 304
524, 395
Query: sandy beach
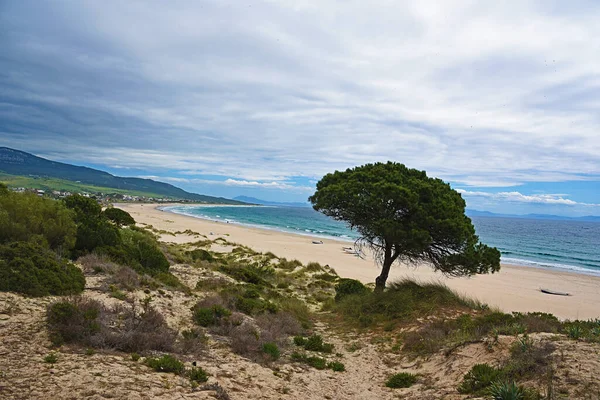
514, 288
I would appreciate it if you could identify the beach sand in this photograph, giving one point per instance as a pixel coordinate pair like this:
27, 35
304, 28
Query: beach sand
514, 288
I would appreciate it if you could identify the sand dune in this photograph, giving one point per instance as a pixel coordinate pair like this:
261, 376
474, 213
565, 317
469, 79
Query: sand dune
512, 289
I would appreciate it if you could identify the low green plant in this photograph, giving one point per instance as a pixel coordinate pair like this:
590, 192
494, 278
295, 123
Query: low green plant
575, 332
479, 379
401, 380
208, 316
272, 350
135, 357
315, 343
51, 358
336, 366
166, 363
197, 374
300, 341
506, 391
89, 351
116, 293
347, 287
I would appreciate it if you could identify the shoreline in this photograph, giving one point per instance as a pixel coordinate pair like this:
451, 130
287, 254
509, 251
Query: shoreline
514, 288
572, 269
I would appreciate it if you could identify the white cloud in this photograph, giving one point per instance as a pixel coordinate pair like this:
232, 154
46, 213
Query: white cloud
480, 93
234, 182
553, 199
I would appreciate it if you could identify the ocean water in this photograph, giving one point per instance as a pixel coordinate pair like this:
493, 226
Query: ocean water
565, 245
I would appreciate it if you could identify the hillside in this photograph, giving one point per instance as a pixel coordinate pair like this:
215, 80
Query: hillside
254, 200
21, 164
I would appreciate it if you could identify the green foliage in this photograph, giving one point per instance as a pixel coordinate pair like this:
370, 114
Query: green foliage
315, 362
479, 379
209, 316
403, 300
272, 350
254, 274
197, 374
574, 332
118, 216
402, 214
93, 229
27, 217
336, 366
166, 363
143, 252
300, 341
51, 358
506, 391
168, 279
201, 255
73, 321
401, 380
135, 357
32, 269
347, 287
315, 343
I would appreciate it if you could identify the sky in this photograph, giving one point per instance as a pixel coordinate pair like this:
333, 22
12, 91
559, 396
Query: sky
262, 98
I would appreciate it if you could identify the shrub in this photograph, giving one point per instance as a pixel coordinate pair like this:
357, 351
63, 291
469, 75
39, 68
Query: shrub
506, 391
125, 328
346, 287
315, 343
97, 263
197, 374
166, 363
33, 270
208, 316
125, 278
143, 252
401, 380
51, 358
201, 255
300, 341
135, 357
272, 350
479, 378
118, 216
255, 274
27, 217
336, 366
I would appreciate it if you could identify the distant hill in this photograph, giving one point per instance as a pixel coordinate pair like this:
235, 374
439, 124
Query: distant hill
254, 200
477, 213
19, 163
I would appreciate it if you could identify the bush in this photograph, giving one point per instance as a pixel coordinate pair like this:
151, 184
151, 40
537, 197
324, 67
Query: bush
272, 350
27, 217
346, 287
479, 378
197, 375
31, 269
401, 380
142, 252
208, 316
166, 363
254, 274
300, 341
315, 362
201, 255
336, 366
506, 391
118, 216
315, 343
51, 358
125, 328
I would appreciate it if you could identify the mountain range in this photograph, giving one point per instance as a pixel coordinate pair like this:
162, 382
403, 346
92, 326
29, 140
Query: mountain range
477, 213
254, 200
19, 163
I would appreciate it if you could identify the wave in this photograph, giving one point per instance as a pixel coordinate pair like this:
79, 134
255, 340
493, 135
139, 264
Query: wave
543, 264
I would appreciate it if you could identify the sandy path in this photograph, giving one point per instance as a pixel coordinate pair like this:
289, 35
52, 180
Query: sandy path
513, 289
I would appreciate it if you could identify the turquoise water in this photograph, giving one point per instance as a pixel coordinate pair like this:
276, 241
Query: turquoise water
567, 245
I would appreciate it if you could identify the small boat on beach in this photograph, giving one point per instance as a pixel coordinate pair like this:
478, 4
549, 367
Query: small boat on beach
554, 292
317, 242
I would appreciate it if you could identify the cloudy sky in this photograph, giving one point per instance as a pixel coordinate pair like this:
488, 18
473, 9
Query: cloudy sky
502, 99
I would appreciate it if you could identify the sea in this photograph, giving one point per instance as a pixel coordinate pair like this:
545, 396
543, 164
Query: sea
555, 244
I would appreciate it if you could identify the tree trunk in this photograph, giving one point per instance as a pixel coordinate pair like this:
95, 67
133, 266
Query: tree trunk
385, 269
385, 272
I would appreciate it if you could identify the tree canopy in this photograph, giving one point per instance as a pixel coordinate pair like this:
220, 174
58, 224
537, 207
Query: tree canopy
404, 215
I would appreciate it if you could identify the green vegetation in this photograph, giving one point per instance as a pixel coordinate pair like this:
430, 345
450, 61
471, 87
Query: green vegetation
209, 316
119, 217
336, 366
479, 379
346, 287
197, 374
506, 391
34, 270
313, 343
51, 358
401, 380
402, 214
402, 301
166, 363
272, 350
